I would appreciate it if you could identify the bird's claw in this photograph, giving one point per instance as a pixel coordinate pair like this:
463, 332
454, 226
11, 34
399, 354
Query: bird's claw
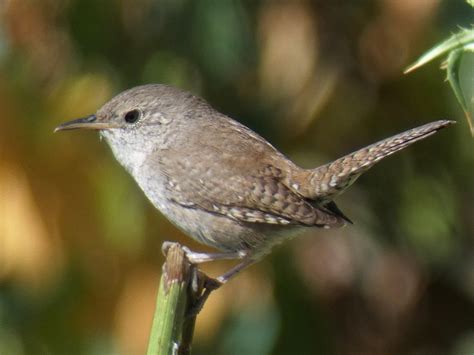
210, 285
165, 247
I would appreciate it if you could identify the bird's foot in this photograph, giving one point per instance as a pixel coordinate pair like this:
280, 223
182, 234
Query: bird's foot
165, 247
210, 285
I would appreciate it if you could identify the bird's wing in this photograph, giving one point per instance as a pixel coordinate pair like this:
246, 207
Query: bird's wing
242, 194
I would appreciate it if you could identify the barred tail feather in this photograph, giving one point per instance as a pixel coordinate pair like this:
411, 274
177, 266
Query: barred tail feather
331, 179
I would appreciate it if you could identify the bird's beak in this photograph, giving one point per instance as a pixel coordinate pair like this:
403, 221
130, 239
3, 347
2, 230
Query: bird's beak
89, 122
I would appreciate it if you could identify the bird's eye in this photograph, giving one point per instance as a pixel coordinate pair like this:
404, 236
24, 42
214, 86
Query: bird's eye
132, 116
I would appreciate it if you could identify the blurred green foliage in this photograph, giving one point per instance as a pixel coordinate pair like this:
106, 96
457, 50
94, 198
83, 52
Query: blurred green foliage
80, 244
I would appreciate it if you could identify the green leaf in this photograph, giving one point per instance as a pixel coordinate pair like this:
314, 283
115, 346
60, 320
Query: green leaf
462, 40
453, 63
454, 48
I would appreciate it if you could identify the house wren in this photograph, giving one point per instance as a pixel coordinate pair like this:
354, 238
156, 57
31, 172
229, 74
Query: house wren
219, 181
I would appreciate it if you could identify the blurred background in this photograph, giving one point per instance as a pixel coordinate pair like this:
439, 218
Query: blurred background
80, 245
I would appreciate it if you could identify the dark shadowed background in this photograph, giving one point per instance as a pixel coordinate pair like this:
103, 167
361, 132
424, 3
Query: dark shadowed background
80, 244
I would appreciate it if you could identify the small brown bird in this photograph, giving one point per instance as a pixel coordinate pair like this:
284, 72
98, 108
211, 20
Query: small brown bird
219, 181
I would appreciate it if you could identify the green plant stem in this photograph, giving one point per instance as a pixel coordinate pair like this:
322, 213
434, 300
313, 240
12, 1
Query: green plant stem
180, 287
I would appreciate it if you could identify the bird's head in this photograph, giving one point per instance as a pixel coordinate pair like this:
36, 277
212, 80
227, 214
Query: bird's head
139, 120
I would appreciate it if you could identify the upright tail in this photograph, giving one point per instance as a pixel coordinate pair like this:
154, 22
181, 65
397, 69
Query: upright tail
331, 179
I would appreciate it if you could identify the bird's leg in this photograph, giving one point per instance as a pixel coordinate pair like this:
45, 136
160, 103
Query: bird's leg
236, 269
211, 284
247, 260
198, 258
